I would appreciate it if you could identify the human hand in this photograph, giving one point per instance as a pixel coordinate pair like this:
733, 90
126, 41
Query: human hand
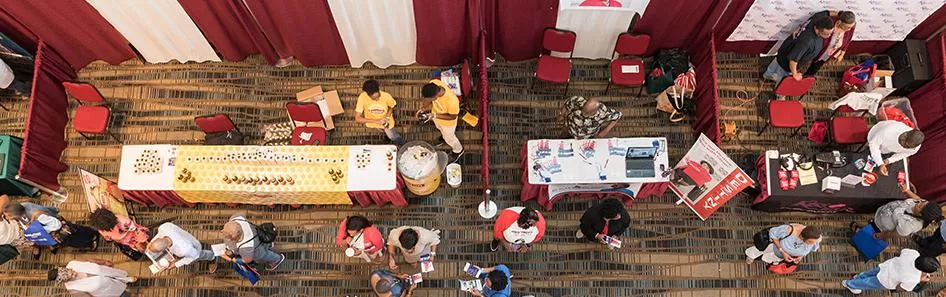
925, 277
476, 292
904, 187
883, 170
797, 75
392, 264
524, 249
417, 114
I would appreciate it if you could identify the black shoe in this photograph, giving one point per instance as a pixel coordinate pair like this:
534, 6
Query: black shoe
37, 252
456, 156
917, 239
54, 250
494, 246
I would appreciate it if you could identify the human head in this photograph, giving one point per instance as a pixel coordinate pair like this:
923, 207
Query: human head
382, 286
811, 234
911, 139
408, 238
496, 280
926, 264
528, 217
611, 208
846, 21
930, 212
372, 88
231, 231
159, 244
355, 224
591, 106
431, 91
823, 26
60, 274
14, 210
103, 219
707, 166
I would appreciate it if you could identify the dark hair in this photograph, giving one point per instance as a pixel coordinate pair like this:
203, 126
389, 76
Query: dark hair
15, 208
370, 87
810, 232
103, 219
823, 23
382, 286
408, 238
52, 274
912, 138
708, 166
357, 223
526, 215
497, 280
926, 264
931, 213
846, 17
430, 90
611, 207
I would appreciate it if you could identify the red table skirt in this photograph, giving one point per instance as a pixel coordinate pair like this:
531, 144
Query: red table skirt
540, 193
363, 198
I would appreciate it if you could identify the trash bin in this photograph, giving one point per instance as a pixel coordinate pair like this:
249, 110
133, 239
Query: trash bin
421, 166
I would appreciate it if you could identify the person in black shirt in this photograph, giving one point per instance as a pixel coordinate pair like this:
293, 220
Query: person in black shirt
834, 47
799, 50
608, 218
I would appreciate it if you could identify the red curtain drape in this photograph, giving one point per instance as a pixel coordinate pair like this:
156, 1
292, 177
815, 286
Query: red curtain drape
231, 28
514, 28
303, 29
45, 136
71, 27
676, 23
706, 95
447, 31
929, 107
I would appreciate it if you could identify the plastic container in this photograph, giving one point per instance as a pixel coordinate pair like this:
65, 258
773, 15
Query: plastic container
420, 164
454, 175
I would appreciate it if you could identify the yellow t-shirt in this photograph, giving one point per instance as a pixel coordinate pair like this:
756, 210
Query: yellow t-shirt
372, 109
446, 104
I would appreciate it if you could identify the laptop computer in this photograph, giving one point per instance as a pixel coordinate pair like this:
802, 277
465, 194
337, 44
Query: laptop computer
639, 161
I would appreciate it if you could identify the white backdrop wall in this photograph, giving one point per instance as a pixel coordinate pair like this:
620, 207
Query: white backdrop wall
382, 32
597, 28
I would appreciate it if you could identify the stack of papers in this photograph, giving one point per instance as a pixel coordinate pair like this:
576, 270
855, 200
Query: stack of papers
472, 270
470, 285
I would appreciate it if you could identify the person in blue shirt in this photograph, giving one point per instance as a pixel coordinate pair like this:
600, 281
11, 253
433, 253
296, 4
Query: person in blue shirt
496, 282
387, 284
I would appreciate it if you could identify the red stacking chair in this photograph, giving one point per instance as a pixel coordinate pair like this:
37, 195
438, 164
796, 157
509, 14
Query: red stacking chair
785, 114
633, 46
848, 129
93, 114
554, 69
789, 87
304, 116
215, 123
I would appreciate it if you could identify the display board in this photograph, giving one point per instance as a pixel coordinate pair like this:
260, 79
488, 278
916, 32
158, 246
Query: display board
706, 178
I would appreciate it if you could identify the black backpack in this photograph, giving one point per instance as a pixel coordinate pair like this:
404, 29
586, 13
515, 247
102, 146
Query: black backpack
266, 232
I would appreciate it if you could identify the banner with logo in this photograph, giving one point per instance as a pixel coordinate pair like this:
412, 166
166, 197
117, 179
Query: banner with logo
876, 19
707, 178
101, 192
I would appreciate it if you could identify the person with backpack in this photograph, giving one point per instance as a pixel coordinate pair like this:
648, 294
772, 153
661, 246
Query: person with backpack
42, 227
788, 243
250, 243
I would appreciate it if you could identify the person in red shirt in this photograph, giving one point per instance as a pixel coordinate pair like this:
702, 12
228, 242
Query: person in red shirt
360, 235
517, 228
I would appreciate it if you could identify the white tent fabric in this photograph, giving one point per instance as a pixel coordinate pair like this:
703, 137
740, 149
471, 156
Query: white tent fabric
381, 32
159, 29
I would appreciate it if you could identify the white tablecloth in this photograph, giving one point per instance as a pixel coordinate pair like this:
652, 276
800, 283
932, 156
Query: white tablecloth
607, 159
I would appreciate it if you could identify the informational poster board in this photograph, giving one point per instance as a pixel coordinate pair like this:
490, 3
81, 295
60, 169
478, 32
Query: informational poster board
101, 192
876, 19
706, 178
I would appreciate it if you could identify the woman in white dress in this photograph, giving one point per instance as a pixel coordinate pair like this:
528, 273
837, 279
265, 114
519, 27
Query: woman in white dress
94, 277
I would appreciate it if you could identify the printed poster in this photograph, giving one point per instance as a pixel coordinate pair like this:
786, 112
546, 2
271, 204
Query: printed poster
101, 192
706, 178
876, 19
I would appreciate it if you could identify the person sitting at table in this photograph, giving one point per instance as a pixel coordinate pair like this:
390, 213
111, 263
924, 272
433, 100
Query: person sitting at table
363, 237
788, 243
119, 229
799, 50
414, 242
903, 218
892, 137
903, 272
444, 108
835, 46
184, 246
517, 228
375, 109
608, 218
497, 282
588, 118
384, 283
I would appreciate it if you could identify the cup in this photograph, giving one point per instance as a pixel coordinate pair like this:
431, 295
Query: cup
350, 252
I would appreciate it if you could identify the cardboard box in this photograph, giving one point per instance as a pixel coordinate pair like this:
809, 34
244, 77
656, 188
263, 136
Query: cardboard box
329, 103
831, 184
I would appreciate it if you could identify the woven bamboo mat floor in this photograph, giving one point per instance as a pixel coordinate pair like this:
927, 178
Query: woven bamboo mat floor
669, 251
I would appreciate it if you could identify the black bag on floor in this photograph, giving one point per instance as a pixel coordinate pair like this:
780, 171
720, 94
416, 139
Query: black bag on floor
674, 60
233, 137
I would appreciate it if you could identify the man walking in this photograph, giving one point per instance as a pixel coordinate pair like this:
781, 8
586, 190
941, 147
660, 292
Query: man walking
243, 243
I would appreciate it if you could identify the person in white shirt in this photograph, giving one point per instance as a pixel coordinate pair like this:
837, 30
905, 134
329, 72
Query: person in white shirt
93, 277
904, 272
184, 246
892, 137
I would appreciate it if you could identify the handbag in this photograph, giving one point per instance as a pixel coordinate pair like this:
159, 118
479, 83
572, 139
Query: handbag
858, 75
129, 252
761, 239
818, 131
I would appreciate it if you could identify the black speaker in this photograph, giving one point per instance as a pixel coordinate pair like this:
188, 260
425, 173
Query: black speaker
911, 64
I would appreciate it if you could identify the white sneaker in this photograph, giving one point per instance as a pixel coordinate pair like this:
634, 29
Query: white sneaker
855, 291
578, 234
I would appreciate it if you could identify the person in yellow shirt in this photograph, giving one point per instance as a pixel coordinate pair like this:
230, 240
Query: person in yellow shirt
375, 109
443, 106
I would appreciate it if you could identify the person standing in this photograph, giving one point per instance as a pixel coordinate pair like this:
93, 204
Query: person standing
184, 246
413, 242
905, 272
608, 218
243, 244
835, 46
588, 118
788, 243
42, 226
119, 229
444, 109
798, 50
375, 109
933, 245
362, 236
903, 218
517, 228
93, 277
497, 282
892, 137
384, 283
